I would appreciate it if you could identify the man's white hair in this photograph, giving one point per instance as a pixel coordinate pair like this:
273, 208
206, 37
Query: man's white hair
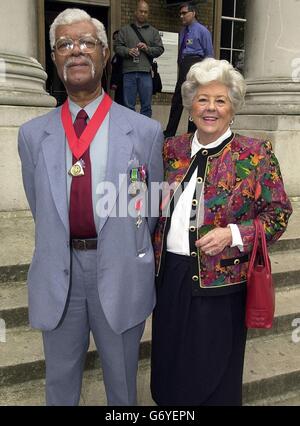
70, 16
210, 70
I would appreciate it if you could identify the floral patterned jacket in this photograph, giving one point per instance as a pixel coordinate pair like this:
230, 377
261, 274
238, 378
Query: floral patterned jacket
241, 182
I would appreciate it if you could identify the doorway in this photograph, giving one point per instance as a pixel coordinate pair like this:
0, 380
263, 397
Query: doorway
52, 8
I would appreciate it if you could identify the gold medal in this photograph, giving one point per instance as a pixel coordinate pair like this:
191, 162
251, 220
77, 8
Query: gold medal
77, 169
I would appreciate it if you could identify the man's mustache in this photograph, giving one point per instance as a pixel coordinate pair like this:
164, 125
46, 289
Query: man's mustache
73, 60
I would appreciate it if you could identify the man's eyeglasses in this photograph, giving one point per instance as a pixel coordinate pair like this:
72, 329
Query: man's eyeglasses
63, 46
184, 13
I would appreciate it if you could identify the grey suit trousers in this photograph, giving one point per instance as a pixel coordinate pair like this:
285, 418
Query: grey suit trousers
66, 346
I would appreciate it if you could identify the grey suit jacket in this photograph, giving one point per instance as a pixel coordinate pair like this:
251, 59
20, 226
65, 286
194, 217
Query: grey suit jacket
125, 263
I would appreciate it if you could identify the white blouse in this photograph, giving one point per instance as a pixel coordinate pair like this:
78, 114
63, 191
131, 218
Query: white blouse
178, 235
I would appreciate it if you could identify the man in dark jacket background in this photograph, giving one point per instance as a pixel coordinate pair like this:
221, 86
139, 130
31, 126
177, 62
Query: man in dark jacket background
137, 57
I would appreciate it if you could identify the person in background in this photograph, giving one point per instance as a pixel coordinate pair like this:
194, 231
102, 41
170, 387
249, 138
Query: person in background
116, 80
137, 57
93, 264
195, 44
221, 181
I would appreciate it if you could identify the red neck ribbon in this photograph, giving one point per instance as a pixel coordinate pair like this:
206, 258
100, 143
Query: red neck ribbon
79, 146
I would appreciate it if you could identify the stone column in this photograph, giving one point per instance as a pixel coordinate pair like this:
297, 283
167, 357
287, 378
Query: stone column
272, 72
22, 92
22, 78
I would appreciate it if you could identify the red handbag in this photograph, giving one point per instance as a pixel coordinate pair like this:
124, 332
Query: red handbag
260, 302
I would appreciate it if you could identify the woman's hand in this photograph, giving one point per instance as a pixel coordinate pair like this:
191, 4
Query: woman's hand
215, 241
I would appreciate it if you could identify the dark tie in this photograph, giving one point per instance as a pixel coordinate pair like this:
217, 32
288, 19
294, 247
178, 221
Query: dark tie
183, 44
81, 215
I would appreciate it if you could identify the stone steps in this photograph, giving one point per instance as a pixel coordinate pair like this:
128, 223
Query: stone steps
22, 356
286, 310
13, 304
272, 364
92, 393
18, 272
14, 311
272, 367
22, 359
271, 377
285, 268
288, 399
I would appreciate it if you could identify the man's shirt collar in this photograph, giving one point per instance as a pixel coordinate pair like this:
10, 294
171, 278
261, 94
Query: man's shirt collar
90, 108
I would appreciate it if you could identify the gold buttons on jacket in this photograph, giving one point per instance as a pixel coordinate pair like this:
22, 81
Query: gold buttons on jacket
194, 203
192, 228
204, 152
199, 179
194, 254
195, 278
236, 261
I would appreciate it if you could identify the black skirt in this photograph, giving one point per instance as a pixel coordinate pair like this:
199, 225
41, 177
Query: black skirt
198, 343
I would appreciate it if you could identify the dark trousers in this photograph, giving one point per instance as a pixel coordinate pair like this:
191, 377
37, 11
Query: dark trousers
198, 343
176, 105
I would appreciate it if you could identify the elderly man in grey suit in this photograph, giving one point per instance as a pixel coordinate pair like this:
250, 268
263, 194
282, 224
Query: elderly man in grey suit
93, 267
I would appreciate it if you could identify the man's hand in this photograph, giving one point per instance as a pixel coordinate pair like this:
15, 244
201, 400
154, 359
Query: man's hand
215, 241
142, 46
134, 52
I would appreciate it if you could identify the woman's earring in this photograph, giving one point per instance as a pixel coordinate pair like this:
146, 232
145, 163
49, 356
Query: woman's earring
231, 122
191, 119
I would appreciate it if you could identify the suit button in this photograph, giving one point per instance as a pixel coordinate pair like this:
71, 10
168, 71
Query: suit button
66, 271
195, 278
194, 254
192, 228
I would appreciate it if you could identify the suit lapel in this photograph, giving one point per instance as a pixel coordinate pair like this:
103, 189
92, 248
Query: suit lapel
120, 145
54, 151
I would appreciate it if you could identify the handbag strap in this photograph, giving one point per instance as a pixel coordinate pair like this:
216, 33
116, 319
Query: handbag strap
141, 38
260, 244
255, 245
264, 246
